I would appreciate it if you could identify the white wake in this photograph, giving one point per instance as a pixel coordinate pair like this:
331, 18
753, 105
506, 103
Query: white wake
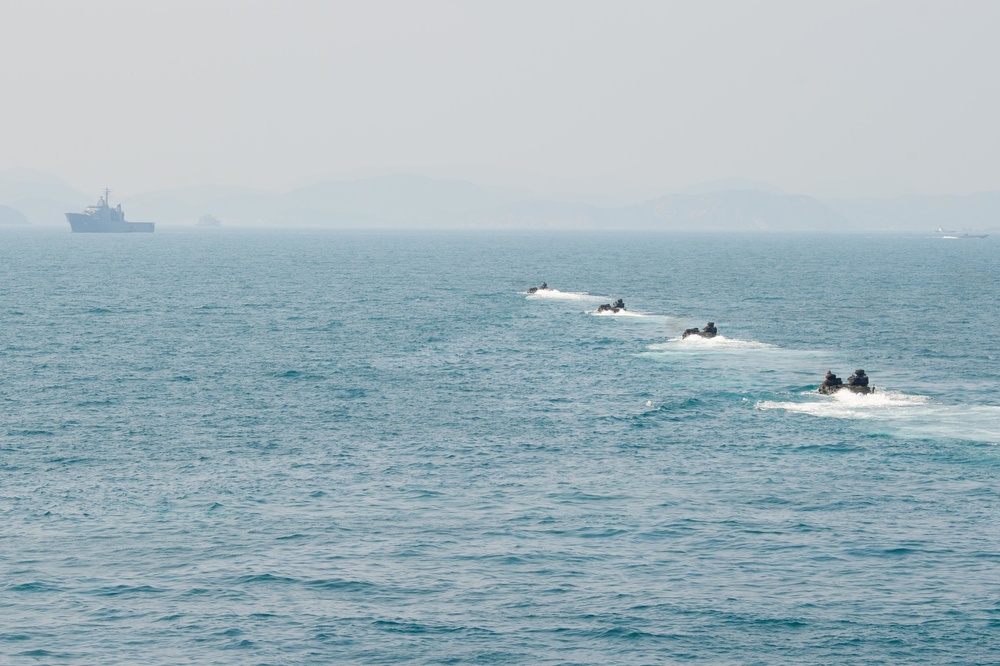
902, 414
698, 343
555, 294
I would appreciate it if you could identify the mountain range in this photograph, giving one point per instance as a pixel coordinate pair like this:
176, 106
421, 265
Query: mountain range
407, 200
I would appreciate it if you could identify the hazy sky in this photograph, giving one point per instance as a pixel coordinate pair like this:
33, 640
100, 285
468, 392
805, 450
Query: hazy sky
835, 97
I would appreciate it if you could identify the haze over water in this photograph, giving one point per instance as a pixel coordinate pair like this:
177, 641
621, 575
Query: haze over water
238, 446
569, 99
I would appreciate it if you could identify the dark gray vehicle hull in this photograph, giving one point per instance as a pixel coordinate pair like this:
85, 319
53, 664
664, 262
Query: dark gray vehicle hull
830, 390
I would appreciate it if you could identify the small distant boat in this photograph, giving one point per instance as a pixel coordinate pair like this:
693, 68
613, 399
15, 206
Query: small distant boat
208, 220
973, 235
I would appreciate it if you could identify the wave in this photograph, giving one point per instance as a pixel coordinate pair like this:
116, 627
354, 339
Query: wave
555, 294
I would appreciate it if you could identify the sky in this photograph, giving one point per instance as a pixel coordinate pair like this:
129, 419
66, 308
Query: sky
873, 98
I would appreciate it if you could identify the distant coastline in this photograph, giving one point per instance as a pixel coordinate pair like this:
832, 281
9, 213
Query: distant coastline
412, 201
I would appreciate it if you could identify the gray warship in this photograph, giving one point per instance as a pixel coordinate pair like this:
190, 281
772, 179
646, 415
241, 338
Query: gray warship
103, 219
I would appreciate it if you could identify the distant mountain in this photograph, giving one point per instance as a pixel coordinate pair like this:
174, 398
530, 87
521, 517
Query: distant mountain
734, 210
980, 211
396, 198
10, 215
407, 200
393, 200
535, 214
728, 210
727, 184
30, 178
186, 205
418, 201
42, 198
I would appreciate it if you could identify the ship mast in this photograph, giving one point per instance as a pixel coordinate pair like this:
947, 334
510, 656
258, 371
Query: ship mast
107, 197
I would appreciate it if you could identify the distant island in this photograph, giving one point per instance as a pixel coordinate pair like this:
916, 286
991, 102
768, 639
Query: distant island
10, 215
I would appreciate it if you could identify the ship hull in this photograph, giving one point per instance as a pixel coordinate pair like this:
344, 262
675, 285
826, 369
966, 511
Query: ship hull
85, 224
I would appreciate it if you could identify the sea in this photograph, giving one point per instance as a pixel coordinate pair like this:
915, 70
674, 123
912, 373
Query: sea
265, 446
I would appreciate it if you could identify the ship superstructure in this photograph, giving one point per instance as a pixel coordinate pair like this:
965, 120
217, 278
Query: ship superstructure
101, 218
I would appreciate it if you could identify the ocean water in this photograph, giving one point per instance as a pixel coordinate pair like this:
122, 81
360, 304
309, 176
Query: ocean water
224, 446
